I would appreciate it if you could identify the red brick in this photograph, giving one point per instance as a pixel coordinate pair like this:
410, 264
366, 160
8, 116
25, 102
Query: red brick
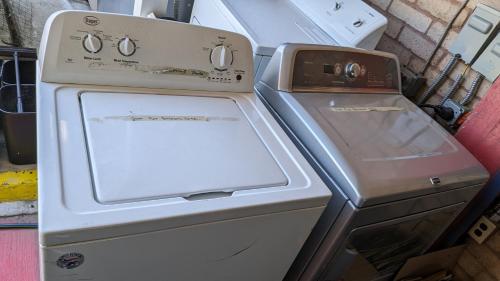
493, 242
442, 9
469, 264
410, 15
414, 41
459, 274
483, 276
387, 44
486, 257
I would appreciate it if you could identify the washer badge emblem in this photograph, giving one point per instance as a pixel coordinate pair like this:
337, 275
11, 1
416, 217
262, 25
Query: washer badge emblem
91, 20
70, 260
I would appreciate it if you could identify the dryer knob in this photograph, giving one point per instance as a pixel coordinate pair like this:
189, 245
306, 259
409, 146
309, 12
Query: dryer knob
352, 70
92, 43
221, 57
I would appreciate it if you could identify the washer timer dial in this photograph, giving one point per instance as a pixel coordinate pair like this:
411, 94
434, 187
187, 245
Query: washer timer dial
221, 57
126, 46
92, 43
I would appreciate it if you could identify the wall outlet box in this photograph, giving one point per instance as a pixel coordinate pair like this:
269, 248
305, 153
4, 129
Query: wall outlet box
477, 30
411, 83
488, 62
482, 229
458, 110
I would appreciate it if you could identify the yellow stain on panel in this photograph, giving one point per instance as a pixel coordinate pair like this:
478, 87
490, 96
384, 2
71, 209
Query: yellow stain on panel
18, 185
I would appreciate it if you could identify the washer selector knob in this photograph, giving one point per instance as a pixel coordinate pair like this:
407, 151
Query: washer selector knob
92, 43
221, 57
126, 46
337, 6
352, 70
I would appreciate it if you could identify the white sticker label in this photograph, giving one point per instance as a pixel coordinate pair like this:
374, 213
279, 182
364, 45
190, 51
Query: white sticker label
366, 109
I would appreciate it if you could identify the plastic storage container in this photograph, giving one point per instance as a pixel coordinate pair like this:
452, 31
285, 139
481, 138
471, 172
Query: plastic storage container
19, 127
27, 71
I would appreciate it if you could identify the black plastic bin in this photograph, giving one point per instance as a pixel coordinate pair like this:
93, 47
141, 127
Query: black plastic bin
27, 71
19, 127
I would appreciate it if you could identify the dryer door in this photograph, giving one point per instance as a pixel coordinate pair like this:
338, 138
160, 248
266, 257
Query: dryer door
382, 248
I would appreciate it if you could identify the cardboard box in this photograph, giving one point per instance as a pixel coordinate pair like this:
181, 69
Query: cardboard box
429, 264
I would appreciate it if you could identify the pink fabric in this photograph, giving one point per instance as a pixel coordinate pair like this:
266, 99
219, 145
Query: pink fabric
480, 133
19, 255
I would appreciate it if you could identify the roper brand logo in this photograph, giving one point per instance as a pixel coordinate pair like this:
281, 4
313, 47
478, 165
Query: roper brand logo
70, 260
91, 20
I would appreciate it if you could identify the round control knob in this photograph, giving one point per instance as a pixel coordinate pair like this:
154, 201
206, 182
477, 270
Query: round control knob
126, 47
92, 43
352, 70
337, 6
221, 57
358, 23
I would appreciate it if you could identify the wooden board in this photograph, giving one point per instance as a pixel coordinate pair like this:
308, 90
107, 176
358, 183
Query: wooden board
18, 185
430, 263
17, 182
19, 255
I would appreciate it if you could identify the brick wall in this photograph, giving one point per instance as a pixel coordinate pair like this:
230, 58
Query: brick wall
414, 28
480, 262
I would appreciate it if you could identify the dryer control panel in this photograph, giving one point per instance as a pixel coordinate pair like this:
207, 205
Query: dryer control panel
119, 50
315, 69
318, 68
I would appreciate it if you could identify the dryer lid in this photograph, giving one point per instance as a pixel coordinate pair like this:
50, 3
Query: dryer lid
381, 147
145, 146
270, 23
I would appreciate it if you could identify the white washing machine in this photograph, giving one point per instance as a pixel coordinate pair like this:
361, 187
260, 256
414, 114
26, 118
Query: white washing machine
270, 23
157, 161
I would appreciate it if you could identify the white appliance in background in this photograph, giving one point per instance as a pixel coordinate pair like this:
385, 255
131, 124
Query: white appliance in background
178, 10
143, 8
157, 161
270, 23
112, 6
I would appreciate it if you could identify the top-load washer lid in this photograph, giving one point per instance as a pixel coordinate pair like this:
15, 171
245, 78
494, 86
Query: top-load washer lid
270, 23
145, 146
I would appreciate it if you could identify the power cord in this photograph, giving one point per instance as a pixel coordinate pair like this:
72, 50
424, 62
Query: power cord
445, 113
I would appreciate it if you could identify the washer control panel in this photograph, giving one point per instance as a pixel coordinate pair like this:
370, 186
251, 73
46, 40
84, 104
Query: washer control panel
344, 69
118, 50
